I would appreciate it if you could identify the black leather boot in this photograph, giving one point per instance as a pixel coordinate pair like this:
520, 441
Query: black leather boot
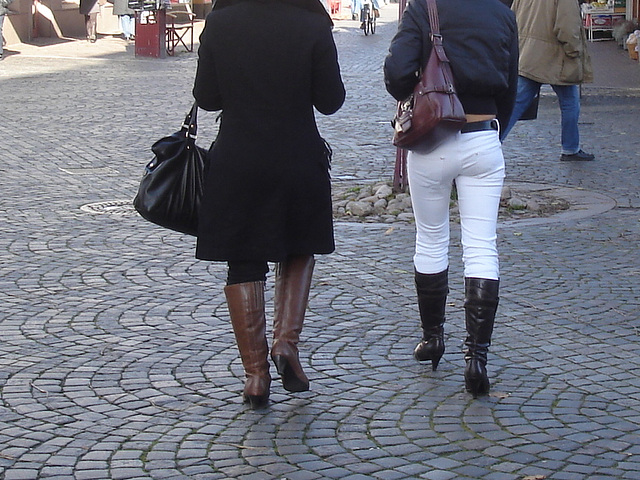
480, 305
432, 297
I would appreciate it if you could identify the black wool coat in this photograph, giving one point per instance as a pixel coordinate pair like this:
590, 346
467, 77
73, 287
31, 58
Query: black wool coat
86, 6
267, 195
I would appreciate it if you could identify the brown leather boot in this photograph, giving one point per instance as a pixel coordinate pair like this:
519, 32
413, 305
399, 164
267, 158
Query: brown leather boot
293, 282
246, 308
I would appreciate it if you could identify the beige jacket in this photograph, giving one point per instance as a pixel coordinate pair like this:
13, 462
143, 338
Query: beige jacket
553, 42
4, 9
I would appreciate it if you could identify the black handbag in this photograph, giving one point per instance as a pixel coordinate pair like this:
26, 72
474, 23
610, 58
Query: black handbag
531, 113
171, 187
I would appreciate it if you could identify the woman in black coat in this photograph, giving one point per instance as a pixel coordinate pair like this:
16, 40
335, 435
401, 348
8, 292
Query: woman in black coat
90, 10
267, 196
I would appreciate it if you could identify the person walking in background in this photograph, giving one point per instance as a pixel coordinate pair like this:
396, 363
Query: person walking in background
90, 10
267, 190
126, 16
4, 10
376, 11
356, 9
480, 40
553, 50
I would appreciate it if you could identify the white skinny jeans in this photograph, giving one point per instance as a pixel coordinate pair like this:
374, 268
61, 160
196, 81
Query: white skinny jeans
475, 162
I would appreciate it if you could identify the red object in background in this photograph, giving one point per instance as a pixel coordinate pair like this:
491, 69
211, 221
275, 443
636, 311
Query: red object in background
335, 6
599, 20
151, 34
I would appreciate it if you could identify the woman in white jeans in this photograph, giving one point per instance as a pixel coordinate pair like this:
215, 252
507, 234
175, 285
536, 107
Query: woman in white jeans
480, 40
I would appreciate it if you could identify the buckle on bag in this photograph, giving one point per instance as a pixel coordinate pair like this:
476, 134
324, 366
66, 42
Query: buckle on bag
404, 114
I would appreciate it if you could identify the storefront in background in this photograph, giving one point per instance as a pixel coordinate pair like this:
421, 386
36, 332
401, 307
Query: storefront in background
60, 18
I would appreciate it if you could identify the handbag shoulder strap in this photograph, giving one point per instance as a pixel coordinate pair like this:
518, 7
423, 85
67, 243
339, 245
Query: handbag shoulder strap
444, 81
436, 37
190, 125
434, 21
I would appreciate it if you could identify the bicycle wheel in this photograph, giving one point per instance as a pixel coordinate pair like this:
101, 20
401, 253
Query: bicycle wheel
367, 21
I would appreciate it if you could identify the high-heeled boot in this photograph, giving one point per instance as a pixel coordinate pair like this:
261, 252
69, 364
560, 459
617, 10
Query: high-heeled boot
292, 285
246, 308
432, 297
481, 303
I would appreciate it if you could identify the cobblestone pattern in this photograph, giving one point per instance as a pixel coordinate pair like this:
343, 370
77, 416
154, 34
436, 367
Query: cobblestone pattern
118, 361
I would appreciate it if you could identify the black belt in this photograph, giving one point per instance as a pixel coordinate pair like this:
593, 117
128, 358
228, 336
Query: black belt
480, 126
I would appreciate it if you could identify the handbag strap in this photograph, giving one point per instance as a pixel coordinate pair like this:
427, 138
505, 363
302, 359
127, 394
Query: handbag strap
434, 21
190, 125
438, 48
436, 36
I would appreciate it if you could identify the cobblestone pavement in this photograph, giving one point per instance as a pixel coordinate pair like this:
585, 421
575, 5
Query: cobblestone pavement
117, 360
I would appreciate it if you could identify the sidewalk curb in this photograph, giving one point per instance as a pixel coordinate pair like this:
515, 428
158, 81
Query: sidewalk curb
583, 203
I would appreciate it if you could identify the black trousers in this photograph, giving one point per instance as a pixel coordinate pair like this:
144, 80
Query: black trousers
243, 272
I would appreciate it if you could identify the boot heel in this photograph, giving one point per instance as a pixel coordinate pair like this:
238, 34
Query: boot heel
475, 379
281, 364
290, 381
434, 363
256, 401
432, 350
478, 387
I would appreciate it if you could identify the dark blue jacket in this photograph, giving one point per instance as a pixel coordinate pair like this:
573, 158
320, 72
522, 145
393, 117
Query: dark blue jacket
480, 38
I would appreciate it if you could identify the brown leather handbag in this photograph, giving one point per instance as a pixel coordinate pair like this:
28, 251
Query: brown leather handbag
433, 112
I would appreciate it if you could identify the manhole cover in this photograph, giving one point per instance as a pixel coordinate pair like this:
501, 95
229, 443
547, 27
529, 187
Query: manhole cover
119, 208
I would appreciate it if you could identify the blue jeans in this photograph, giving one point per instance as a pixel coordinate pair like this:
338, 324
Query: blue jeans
569, 100
356, 6
127, 24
